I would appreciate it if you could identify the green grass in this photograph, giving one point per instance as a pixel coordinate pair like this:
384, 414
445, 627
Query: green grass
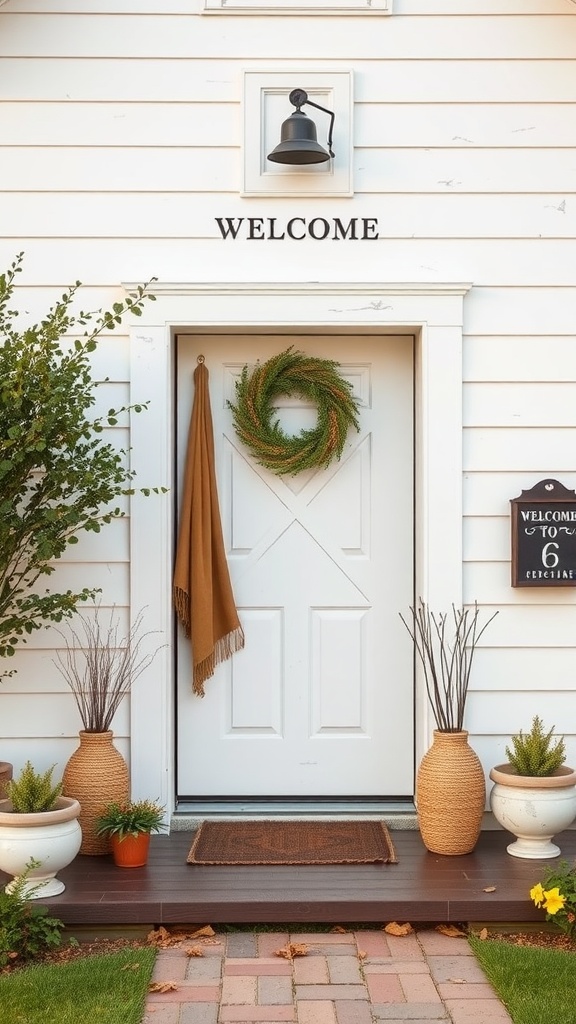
537, 985
106, 989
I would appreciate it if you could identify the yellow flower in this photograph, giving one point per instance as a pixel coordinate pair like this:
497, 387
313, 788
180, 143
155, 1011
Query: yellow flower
537, 895
554, 900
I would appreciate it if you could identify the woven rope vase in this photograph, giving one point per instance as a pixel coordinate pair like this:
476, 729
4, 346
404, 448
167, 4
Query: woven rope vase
5, 777
450, 795
95, 775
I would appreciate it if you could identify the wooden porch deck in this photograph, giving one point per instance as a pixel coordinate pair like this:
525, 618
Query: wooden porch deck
421, 887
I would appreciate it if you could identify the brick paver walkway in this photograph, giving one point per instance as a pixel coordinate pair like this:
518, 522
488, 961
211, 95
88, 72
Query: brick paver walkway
361, 977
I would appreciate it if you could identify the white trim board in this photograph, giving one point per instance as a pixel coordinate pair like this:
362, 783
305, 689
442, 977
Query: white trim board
434, 313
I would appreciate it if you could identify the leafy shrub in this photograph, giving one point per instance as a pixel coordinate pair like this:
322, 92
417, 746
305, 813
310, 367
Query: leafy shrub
58, 476
26, 929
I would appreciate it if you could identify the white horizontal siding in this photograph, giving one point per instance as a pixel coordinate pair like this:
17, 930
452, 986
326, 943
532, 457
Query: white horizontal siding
110, 545
528, 358
155, 80
530, 449
48, 751
504, 708
489, 494
193, 216
195, 169
55, 714
183, 37
531, 625
490, 582
121, 141
517, 311
520, 405
216, 123
526, 670
487, 539
411, 7
109, 577
396, 261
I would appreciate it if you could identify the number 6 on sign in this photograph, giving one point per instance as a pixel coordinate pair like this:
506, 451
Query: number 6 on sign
550, 558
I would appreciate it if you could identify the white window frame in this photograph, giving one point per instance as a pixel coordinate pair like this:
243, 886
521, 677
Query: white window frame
298, 7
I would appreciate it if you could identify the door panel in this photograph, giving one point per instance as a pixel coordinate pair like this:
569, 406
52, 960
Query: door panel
320, 701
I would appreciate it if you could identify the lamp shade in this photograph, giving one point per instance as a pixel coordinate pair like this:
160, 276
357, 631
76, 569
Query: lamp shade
298, 142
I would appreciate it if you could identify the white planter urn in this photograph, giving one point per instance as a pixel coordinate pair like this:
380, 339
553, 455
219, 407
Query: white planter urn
50, 837
534, 809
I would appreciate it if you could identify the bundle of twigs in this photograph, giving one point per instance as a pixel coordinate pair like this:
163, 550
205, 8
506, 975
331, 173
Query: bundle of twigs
100, 668
446, 655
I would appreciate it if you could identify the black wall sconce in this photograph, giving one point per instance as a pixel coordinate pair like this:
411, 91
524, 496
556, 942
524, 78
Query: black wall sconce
298, 141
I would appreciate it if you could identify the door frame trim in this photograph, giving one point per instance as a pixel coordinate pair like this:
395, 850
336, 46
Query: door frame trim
431, 312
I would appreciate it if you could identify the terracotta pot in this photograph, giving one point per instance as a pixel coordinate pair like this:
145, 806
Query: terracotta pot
533, 808
51, 837
131, 851
450, 795
95, 775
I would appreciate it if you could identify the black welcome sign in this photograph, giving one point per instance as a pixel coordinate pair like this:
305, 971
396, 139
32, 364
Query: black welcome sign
544, 536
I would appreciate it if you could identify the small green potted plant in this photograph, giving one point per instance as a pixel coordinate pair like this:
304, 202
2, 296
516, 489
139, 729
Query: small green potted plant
38, 824
129, 825
536, 753
534, 792
33, 792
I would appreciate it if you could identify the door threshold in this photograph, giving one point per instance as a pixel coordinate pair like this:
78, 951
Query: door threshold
293, 807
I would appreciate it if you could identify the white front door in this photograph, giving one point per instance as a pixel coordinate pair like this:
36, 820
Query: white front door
320, 701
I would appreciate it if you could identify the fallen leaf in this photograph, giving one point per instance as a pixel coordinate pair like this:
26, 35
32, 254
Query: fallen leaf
163, 986
206, 932
483, 934
361, 954
194, 951
162, 938
158, 935
131, 967
292, 949
338, 930
398, 929
489, 888
457, 981
451, 930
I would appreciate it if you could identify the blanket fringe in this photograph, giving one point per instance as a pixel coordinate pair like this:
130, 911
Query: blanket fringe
182, 605
224, 649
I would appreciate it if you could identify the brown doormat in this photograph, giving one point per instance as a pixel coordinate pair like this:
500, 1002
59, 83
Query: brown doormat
292, 842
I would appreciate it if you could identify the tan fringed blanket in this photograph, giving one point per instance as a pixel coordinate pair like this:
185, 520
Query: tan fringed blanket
202, 590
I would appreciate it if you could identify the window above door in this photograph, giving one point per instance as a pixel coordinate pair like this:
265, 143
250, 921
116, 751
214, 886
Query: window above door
298, 7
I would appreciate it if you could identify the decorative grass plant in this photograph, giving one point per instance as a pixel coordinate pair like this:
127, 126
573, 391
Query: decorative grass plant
33, 792
100, 666
534, 753
445, 645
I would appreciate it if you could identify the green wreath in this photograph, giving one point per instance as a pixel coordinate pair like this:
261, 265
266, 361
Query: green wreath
290, 373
